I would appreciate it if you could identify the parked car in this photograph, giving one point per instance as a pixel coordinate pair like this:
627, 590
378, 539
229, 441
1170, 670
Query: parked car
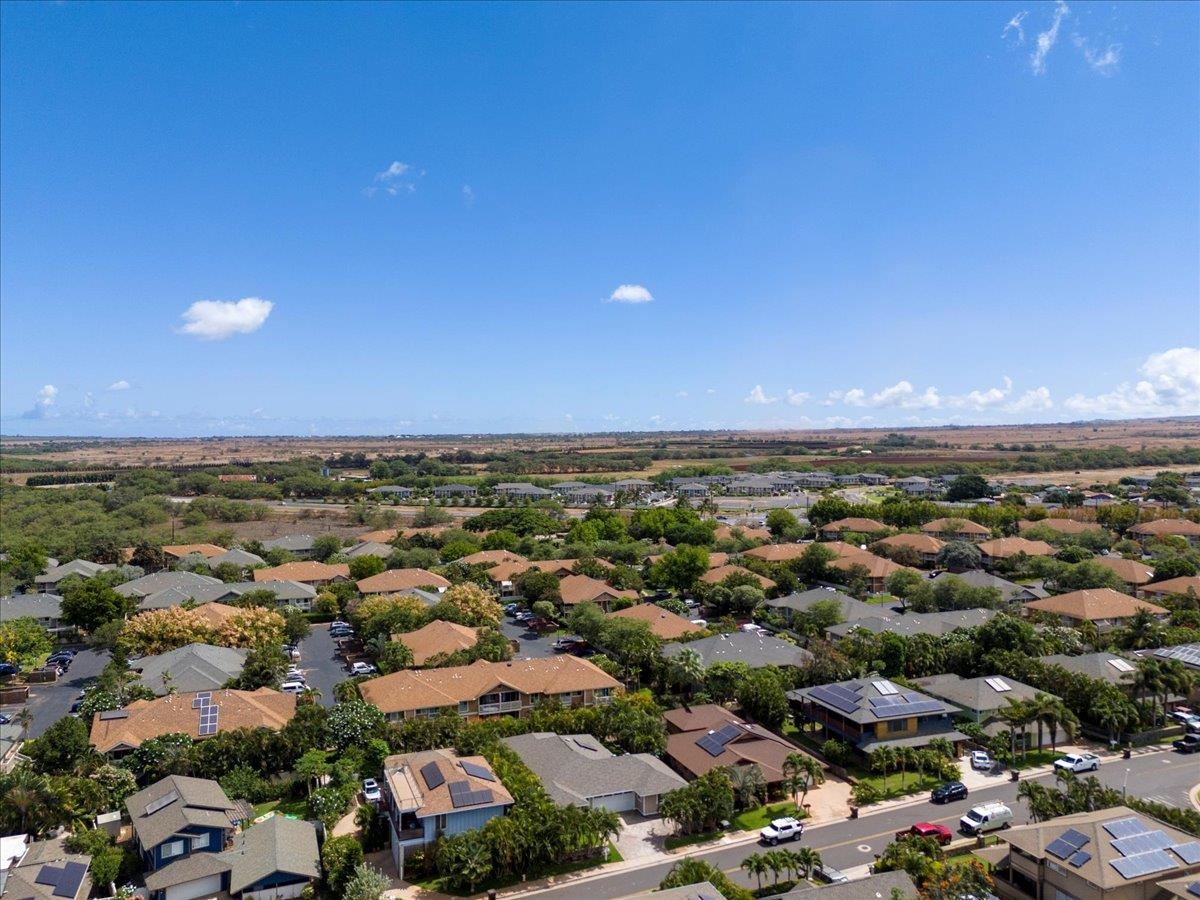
951, 790
523, 615
568, 644
5, 720
8, 669
371, 792
537, 623
988, 817
981, 761
362, 668
939, 833
1189, 743
1078, 762
830, 875
293, 687
786, 829
512, 609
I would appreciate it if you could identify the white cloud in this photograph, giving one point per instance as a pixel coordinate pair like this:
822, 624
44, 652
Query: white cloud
1103, 63
1014, 24
681, 394
215, 320
1035, 400
121, 385
46, 396
630, 293
901, 394
798, 398
757, 397
1170, 385
711, 391
395, 178
984, 399
468, 195
1048, 38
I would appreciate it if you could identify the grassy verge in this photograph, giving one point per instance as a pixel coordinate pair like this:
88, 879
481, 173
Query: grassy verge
1033, 759
675, 841
439, 883
891, 786
754, 819
284, 807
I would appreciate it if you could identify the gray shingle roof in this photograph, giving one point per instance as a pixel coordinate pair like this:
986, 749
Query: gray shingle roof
575, 768
885, 884
865, 690
293, 543
975, 694
81, 567
1009, 590
278, 845
237, 557
851, 608
196, 667
199, 802
188, 582
370, 548
916, 623
190, 868
39, 606
1096, 665
754, 649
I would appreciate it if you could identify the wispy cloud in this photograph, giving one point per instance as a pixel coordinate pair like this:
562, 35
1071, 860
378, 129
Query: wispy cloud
215, 320
1048, 38
1014, 25
758, 398
121, 385
901, 394
980, 400
397, 178
468, 195
798, 398
1103, 62
631, 294
1170, 385
681, 394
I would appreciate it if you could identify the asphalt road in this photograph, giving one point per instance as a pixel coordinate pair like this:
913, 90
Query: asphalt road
1162, 776
50, 702
321, 665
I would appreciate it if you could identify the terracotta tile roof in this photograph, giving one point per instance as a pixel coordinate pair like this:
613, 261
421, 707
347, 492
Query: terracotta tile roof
922, 543
877, 566
303, 572
492, 558
507, 571
1131, 571
706, 717
1184, 527
841, 548
395, 580
215, 614
1093, 605
664, 623
1002, 548
855, 523
181, 550
1180, 585
1062, 526
409, 690
961, 526
725, 533
403, 774
383, 535
576, 589
173, 713
755, 745
778, 552
720, 573
715, 558
437, 637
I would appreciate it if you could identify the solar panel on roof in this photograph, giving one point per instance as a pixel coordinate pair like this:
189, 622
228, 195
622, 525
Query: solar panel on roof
886, 688
998, 684
477, 771
884, 701
710, 746
724, 735
1143, 864
1078, 859
49, 875
1189, 852
1075, 838
201, 699
908, 709
1194, 888
161, 803
837, 701
1060, 848
1123, 828
433, 775
1142, 843
110, 714
72, 877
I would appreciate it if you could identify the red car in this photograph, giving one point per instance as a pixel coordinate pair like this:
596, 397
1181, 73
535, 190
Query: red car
939, 833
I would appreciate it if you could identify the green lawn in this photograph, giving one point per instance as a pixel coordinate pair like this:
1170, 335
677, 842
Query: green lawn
297, 808
754, 819
687, 840
1034, 758
891, 787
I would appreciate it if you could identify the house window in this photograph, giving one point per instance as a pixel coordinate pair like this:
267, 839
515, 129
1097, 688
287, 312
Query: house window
898, 725
603, 693
464, 707
429, 712
571, 697
500, 697
172, 849
201, 841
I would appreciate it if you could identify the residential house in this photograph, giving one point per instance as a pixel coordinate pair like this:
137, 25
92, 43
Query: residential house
1010, 591
302, 546
706, 737
983, 700
1184, 528
243, 559
730, 531
436, 793
777, 552
633, 486
1107, 854
1135, 573
438, 638
160, 590
49, 580
392, 491
877, 568
873, 712
916, 486
833, 531
309, 572
715, 558
396, 581
1103, 607
369, 548
720, 573
957, 530
382, 535
926, 546
522, 491
576, 589
1185, 584
190, 669
692, 490
752, 486
754, 648
489, 689
273, 860
199, 715
1188, 654
443, 491
44, 870
849, 608
1059, 525
894, 885
175, 820
1000, 549
178, 552
818, 480
909, 624
491, 558
663, 623
577, 770
589, 495
287, 593
1111, 667
45, 608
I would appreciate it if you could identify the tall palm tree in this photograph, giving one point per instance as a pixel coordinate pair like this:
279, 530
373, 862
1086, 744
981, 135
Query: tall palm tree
25, 719
807, 770
807, 859
687, 670
310, 696
755, 865
777, 861
883, 759
1176, 680
1057, 714
904, 759
1017, 715
1148, 681
1114, 713
1141, 631
1039, 706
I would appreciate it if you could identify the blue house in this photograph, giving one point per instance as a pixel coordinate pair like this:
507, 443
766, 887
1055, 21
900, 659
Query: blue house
436, 793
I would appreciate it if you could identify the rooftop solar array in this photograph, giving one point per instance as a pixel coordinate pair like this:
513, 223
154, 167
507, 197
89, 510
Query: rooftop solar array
433, 775
1189, 852
1145, 851
161, 803
905, 705
714, 744
1143, 864
998, 684
1121, 665
1142, 843
1123, 828
1188, 654
477, 771
208, 720
461, 795
886, 688
1078, 859
204, 698
71, 878
1068, 844
836, 696
1194, 888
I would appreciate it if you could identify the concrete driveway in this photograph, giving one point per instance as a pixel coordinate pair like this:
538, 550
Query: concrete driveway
642, 837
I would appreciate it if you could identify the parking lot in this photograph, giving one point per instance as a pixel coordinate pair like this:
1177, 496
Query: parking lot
320, 663
50, 702
533, 645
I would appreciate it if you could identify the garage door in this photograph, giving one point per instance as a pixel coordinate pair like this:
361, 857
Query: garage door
202, 887
622, 802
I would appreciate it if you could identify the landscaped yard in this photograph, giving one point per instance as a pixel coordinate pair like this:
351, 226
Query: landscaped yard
438, 883
892, 786
755, 819
298, 808
687, 840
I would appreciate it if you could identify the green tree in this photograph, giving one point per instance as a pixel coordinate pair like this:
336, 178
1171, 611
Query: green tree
968, 487
61, 748
340, 857
89, 603
763, 699
25, 562
23, 641
537, 586
354, 723
365, 566
960, 556
680, 568
366, 883
781, 523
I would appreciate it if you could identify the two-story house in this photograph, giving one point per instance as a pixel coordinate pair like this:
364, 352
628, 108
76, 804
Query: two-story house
948, 529
436, 793
490, 688
445, 491
706, 737
45, 609
1103, 607
873, 712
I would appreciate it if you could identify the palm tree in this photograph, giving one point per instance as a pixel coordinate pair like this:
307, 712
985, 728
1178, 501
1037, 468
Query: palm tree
807, 859
777, 861
25, 719
904, 759
1141, 631
1057, 715
806, 770
749, 785
1016, 715
1176, 680
1148, 680
687, 670
1039, 707
882, 760
310, 696
1114, 713
755, 865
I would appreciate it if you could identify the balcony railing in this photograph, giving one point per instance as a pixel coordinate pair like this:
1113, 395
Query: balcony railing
486, 709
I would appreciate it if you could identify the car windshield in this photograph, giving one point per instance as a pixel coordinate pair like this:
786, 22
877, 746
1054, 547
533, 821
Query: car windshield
974, 816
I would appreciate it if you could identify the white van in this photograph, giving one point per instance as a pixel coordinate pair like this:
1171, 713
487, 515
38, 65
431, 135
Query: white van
985, 818
293, 687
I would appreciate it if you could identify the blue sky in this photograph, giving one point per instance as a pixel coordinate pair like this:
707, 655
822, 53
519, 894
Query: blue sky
414, 219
